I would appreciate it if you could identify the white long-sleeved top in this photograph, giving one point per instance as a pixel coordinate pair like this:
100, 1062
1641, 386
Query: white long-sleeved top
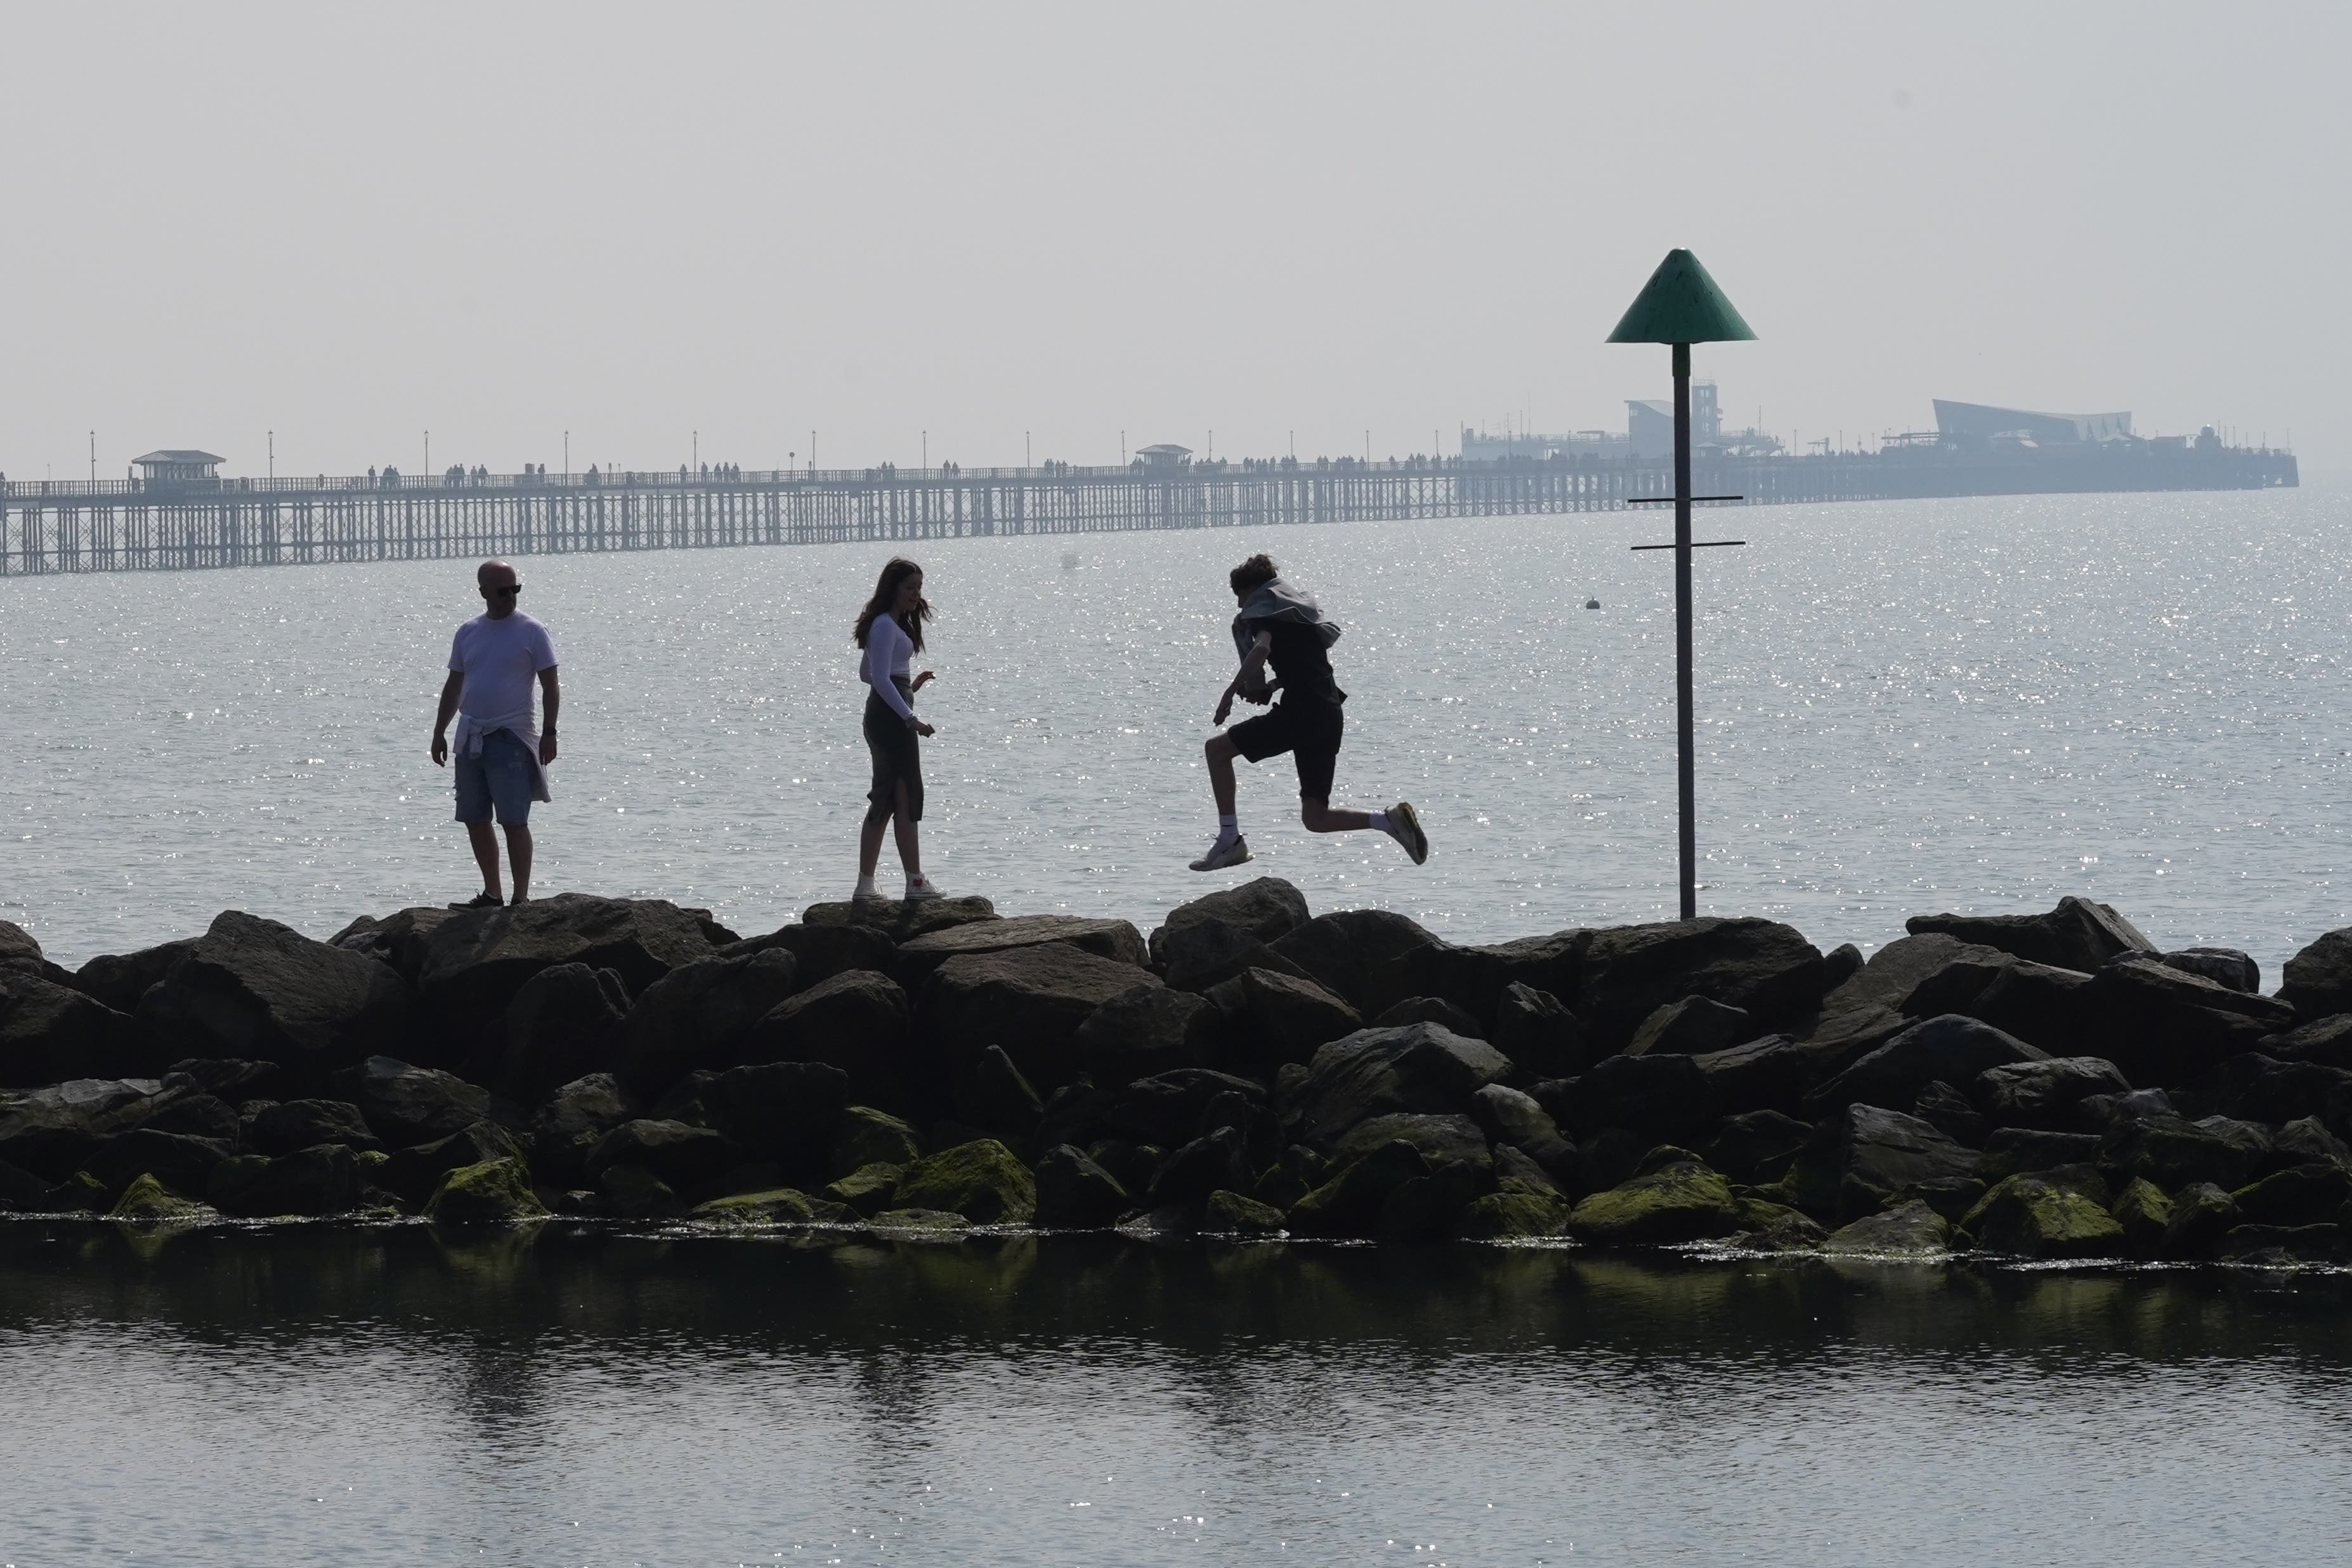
888, 650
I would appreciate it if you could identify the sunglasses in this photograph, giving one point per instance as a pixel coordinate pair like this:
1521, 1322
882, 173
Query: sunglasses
508, 588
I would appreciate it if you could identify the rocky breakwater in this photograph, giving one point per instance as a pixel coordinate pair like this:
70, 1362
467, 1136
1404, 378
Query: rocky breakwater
2047, 1085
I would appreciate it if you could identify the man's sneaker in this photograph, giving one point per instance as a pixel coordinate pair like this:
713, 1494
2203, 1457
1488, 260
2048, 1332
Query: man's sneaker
1225, 852
1405, 828
482, 901
919, 887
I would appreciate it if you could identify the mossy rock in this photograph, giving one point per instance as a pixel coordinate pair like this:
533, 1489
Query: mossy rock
1681, 1202
2144, 1214
1908, 1230
2028, 1216
867, 1190
870, 1137
919, 1222
778, 1205
1514, 1213
982, 1180
634, 1192
495, 1192
1229, 1213
149, 1202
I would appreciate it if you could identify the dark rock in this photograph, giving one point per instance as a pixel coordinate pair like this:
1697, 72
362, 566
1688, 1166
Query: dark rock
2254, 1088
184, 1106
2045, 1094
1280, 1017
397, 940
1907, 1230
476, 961
1442, 1140
1076, 1113
867, 1190
2173, 1153
1757, 1146
51, 1129
1147, 1029
700, 1016
2023, 1151
1031, 1000
2165, 1028
1951, 1196
147, 1201
1553, 963
227, 1080
1299, 1171
2144, 1214
683, 1159
1251, 1120
2054, 1010
1268, 909
992, 1095
2317, 982
1863, 1156
1683, 1202
1959, 983
633, 1192
1511, 1118
864, 1136
1421, 1068
80, 1193
1430, 1010
1167, 1108
1777, 1072
21, 1191
902, 921
2078, 934
1773, 1227
2328, 1041
919, 1225
2103, 1112
253, 988
300, 1123
413, 1175
1692, 1027
1662, 1097
1074, 1193
1951, 1112
495, 1192
51, 1033
21, 954
1517, 1170
407, 1104
1539, 1034
562, 1026
1232, 1214
2250, 1139
980, 1180
572, 1120
2300, 1194
1116, 940
1510, 1215
2283, 1247
2031, 1216
318, 1180
773, 1206
823, 950
1207, 953
1947, 1047
1350, 1203
1132, 1165
858, 1021
2223, 965
2202, 1214
1892, 973
787, 1112
2305, 1141
1430, 1207
1355, 954
1191, 1173
180, 1162
120, 980
1764, 967
1840, 964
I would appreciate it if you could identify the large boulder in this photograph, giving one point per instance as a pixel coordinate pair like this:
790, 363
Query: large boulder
1911, 1229
2026, 1151
1762, 966
562, 1026
495, 1192
1149, 1029
255, 989
476, 961
2055, 1010
49, 1033
320, 1180
21, 954
823, 950
2221, 965
1948, 1047
858, 1021
1169, 1109
1421, 1068
569, 1124
2166, 1028
1692, 1027
1115, 940
407, 1104
787, 1112
1031, 1000
898, 922
1268, 909
149, 1201
1209, 1163
1275, 1017
2328, 1041
120, 979
1442, 1140
180, 1162
1682, 1201
1350, 1202
1513, 1118
1355, 954
2034, 1217
293, 1124
1537, 1031
2174, 1153
1867, 1153
2078, 934
1074, 1193
1662, 1098
2317, 982
864, 1136
398, 939
412, 1174
1757, 1146
51, 1129
699, 1016
1890, 975
981, 1180
683, 1158
2254, 1088
1776, 1072
1207, 953
2043, 1094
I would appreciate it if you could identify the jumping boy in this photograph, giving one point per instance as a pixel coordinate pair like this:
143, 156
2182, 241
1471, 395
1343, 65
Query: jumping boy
1282, 627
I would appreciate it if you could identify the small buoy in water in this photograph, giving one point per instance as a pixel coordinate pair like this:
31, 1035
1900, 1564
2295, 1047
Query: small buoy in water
1070, 562
1591, 604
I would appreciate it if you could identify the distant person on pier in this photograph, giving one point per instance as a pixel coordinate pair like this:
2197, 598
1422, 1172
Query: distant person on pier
1280, 626
890, 633
502, 756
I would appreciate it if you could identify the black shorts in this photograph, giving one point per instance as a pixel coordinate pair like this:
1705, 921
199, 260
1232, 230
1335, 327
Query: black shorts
1309, 731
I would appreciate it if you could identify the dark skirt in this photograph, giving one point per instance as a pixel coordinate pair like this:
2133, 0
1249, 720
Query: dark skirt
898, 756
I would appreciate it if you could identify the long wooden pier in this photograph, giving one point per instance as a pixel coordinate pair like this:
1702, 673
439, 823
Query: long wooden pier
141, 525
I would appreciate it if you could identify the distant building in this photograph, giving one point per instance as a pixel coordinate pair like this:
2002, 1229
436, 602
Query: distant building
1480, 446
1649, 425
173, 465
1164, 455
1970, 424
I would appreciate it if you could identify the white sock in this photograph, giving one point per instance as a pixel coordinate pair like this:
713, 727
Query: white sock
1228, 828
865, 884
1380, 819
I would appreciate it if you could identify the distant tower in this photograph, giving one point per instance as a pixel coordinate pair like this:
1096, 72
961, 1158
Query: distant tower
1706, 421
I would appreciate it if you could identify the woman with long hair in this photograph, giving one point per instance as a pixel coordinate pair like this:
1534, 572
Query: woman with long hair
891, 632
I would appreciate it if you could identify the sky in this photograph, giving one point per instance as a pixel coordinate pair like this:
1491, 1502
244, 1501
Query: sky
993, 233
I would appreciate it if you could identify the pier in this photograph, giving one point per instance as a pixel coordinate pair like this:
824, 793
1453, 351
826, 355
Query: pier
180, 524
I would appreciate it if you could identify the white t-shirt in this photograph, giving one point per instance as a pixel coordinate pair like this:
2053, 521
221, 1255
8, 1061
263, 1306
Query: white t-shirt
888, 652
500, 660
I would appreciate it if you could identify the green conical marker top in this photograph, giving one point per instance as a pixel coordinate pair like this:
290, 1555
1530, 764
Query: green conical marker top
1680, 304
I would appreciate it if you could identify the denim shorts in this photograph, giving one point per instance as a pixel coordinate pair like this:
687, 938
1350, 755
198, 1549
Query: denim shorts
500, 776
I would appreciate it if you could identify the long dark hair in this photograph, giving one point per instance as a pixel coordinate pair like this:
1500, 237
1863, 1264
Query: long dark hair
886, 593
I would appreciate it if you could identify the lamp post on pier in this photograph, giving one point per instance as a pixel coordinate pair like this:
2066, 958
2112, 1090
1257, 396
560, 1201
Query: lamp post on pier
1680, 306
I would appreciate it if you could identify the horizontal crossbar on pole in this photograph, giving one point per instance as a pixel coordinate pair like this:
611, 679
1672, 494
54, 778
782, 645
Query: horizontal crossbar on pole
1696, 544
1661, 500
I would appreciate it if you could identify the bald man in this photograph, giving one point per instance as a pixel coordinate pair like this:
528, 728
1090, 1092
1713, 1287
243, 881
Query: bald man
502, 756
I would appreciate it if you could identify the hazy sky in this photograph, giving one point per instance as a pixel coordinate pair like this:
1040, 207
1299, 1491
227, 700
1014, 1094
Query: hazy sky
350, 224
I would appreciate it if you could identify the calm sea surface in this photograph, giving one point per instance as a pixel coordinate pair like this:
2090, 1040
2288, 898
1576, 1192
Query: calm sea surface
1903, 707
316, 1394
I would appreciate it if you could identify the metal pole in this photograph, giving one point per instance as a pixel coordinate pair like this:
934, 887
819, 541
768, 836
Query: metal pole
1686, 765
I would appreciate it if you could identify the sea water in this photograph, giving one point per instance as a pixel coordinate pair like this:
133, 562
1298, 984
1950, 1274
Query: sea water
1902, 707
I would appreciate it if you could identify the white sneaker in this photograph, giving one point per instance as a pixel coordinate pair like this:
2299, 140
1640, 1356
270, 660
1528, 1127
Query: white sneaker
867, 892
1404, 827
919, 887
1225, 852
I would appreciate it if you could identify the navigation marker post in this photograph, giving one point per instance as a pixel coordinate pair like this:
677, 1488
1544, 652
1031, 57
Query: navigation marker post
1680, 306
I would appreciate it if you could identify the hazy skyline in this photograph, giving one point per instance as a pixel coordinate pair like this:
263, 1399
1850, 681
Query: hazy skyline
499, 224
